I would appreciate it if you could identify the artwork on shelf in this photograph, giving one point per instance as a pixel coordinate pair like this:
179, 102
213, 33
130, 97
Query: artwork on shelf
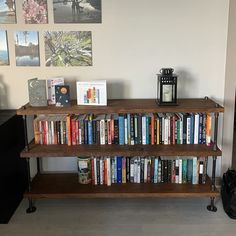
35, 11
51, 83
72, 48
27, 48
91, 92
7, 12
77, 11
4, 57
62, 93
37, 92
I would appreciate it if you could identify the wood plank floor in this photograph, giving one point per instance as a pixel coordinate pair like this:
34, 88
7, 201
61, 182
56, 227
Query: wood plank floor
115, 217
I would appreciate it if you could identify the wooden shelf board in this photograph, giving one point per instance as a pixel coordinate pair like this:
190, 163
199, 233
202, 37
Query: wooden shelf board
67, 186
123, 150
126, 106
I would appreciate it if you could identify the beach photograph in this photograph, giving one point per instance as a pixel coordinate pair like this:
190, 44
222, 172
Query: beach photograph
7, 12
77, 11
4, 57
35, 11
72, 48
26, 48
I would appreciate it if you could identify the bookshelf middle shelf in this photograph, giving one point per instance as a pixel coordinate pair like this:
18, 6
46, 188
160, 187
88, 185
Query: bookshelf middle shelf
36, 150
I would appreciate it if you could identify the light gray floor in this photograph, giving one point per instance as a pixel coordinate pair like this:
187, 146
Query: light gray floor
120, 217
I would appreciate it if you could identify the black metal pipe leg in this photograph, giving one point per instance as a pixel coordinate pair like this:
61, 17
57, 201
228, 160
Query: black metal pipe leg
212, 206
31, 208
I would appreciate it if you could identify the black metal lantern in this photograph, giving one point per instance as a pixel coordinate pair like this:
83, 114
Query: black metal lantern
167, 87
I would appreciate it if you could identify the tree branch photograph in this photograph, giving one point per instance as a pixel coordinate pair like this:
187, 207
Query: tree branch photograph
72, 48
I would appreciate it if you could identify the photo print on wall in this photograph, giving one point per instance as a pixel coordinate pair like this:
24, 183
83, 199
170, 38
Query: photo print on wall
35, 11
27, 48
72, 48
7, 12
4, 56
77, 11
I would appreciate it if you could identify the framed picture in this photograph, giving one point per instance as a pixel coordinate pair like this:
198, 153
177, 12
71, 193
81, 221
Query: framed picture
27, 48
7, 12
35, 11
77, 11
71, 48
92, 92
4, 56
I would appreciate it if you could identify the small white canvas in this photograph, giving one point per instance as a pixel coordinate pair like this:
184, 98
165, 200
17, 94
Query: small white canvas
92, 92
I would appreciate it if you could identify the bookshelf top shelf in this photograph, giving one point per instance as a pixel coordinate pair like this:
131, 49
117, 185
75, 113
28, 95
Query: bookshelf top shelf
126, 106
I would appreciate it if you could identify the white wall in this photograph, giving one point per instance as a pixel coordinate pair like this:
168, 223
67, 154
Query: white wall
136, 39
230, 88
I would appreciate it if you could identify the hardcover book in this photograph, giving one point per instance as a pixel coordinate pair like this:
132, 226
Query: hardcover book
37, 92
62, 95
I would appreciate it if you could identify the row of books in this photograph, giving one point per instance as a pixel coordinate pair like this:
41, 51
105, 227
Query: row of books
116, 170
124, 129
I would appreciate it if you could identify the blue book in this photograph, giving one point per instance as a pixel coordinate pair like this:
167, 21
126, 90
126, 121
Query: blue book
155, 170
121, 130
119, 169
90, 132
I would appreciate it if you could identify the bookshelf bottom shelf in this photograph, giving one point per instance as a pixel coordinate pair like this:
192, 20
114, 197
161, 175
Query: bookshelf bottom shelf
67, 186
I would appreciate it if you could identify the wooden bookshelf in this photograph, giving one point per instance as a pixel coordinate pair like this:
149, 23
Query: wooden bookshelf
123, 150
67, 186
126, 106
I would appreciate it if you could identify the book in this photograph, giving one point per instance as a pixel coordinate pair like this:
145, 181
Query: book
62, 95
51, 88
37, 92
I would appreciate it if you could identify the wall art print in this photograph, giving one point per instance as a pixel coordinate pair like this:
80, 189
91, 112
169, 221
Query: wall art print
72, 48
27, 48
4, 56
35, 11
7, 12
77, 11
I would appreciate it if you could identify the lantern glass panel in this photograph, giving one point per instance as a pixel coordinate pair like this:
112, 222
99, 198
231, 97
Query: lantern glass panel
167, 93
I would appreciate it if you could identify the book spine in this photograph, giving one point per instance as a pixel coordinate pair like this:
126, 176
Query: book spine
119, 169
121, 130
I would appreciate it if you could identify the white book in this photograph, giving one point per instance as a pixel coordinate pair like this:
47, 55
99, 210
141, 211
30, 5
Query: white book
95, 170
196, 128
126, 130
166, 130
135, 169
145, 169
144, 131
51, 88
102, 130
195, 170
101, 171
180, 171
